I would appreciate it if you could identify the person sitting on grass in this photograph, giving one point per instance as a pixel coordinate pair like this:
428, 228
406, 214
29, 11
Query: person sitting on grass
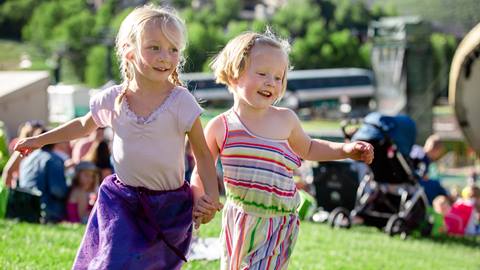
83, 192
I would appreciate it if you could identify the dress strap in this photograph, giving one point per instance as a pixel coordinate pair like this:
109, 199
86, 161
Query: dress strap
225, 136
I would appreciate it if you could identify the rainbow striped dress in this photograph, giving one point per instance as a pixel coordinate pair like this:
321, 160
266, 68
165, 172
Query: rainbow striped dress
260, 222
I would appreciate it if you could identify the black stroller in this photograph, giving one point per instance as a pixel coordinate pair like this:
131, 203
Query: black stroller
390, 196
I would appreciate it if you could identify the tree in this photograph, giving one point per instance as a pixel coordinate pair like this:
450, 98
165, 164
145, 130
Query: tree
352, 15
14, 14
96, 71
204, 42
305, 50
295, 17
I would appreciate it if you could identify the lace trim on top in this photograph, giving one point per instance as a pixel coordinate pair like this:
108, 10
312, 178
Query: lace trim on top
148, 119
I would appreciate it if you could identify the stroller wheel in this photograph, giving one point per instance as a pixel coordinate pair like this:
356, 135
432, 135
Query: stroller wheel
396, 225
339, 218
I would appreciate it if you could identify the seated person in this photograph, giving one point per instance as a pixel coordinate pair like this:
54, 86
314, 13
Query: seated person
43, 170
83, 192
466, 209
422, 158
441, 209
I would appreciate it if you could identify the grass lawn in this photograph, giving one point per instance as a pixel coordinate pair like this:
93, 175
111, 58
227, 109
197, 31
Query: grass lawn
26, 246
11, 52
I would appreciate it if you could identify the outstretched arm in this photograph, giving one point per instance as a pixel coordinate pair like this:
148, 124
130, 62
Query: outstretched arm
322, 150
76, 128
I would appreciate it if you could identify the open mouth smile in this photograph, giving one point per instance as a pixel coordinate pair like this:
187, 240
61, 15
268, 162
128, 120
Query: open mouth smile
265, 93
161, 69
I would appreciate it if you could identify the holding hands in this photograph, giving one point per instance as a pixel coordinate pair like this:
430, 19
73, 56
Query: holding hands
361, 151
204, 210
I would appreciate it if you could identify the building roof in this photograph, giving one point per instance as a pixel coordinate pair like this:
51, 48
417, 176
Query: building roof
10, 81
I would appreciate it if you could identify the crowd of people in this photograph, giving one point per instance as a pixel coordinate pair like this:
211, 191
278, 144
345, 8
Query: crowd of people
65, 176
454, 213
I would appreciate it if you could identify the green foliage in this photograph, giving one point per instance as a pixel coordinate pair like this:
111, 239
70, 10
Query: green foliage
103, 17
351, 14
235, 28
305, 51
204, 42
64, 27
345, 49
295, 17
96, 71
14, 14
461, 14
319, 49
39, 29
226, 10
323, 34
443, 47
387, 10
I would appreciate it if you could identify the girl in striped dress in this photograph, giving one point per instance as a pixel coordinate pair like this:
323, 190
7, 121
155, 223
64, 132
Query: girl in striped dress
259, 146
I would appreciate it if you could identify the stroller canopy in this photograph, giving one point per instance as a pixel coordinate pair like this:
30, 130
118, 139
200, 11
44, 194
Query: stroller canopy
401, 129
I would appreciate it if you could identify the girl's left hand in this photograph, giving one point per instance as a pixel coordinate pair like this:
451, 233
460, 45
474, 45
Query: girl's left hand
361, 151
204, 210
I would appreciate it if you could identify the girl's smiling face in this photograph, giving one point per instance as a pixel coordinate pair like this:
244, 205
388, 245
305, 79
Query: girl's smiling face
156, 57
261, 83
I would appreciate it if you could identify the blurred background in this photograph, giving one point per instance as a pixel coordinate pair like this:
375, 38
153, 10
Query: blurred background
352, 60
391, 56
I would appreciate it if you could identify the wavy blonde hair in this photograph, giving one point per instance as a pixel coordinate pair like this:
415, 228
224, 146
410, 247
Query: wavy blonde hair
232, 61
131, 33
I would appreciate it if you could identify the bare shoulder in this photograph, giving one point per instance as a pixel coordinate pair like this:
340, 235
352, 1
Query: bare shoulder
286, 115
215, 123
215, 128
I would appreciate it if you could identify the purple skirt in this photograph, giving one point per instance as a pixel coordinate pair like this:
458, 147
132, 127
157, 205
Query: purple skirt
137, 228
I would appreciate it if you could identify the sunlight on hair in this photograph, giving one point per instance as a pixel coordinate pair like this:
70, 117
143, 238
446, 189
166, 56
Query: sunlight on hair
232, 60
130, 36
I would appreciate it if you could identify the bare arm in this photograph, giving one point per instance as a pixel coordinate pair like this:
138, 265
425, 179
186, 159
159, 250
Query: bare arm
76, 128
322, 150
211, 140
13, 165
205, 166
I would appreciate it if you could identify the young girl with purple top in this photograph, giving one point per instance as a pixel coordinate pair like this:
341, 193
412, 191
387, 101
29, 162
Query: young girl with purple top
259, 146
143, 215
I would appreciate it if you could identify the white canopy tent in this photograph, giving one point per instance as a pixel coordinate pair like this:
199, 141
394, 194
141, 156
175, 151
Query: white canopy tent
23, 97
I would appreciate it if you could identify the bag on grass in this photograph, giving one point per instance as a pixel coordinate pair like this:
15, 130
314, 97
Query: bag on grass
23, 204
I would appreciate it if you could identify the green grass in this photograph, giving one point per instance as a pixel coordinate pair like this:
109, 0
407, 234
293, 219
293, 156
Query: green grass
11, 52
27, 246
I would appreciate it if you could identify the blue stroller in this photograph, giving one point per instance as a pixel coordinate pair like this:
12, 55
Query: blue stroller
390, 196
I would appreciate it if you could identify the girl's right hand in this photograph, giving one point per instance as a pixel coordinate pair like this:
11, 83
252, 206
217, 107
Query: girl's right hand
27, 145
204, 210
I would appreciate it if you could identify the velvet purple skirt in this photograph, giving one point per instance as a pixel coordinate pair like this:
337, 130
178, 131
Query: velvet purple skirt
137, 228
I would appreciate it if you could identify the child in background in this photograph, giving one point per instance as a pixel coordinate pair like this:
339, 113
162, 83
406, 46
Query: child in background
143, 215
441, 207
83, 192
260, 146
468, 209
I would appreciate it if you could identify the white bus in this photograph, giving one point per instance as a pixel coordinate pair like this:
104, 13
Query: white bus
304, 88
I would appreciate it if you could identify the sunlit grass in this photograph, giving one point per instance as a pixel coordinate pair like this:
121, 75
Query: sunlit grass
27, 246
12, 51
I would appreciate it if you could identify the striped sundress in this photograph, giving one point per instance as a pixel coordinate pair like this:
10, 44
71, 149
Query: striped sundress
260, 222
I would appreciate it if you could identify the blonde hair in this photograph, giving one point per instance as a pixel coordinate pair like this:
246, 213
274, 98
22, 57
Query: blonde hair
131, 32
231, 62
